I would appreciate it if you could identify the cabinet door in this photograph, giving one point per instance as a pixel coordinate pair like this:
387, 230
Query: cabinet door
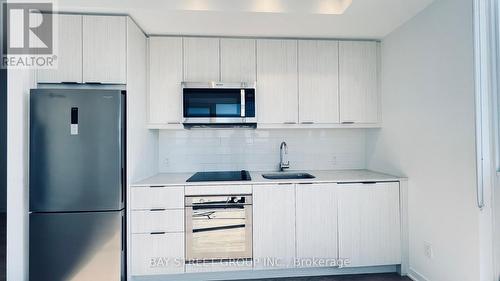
359, 87
201, 59
157, 253
277, 81
68, 51
238, 62
165, 77
318, 82
369, 224
316, 224
104, 49
273, 226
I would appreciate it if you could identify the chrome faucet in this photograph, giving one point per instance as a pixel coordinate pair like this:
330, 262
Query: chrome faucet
283, 151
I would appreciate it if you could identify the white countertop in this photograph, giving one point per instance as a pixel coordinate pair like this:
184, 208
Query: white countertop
344, 176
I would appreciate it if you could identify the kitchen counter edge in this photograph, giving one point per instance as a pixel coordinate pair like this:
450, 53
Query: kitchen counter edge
322, 176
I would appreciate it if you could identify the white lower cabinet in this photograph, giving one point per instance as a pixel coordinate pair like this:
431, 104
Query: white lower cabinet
157, 197
157, 253
157, 227
157, 220
316, 225
369, 224
274, 226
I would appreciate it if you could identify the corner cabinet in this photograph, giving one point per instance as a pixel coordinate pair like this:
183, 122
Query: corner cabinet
369, 223
359, 82
273, 226
277, 91
91, 49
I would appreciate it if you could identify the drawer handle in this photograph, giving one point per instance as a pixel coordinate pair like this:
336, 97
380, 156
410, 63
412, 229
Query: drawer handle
156, 186
307, 123
157, 210
290, 123
348, 122
158, 233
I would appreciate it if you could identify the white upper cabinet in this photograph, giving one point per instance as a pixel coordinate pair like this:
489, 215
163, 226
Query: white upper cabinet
68, 51
273, 226
359, 82
165, 77
318, 82
277, 94
238, 62
104, 49
316, 222
369, 224
201, 59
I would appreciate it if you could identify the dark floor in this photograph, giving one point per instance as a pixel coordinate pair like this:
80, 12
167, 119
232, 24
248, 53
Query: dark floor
363, 277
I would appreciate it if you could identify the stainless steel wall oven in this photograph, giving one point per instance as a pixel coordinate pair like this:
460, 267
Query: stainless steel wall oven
218, 228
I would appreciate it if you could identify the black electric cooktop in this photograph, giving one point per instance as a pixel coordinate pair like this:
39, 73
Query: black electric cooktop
220, 176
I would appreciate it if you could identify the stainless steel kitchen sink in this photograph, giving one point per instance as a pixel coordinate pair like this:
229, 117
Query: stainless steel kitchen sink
287, 176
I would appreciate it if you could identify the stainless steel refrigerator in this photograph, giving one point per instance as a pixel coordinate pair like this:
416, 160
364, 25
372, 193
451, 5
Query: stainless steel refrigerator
77, 185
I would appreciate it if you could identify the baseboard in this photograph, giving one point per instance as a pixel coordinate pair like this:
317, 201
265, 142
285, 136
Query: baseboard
415, 276
265, 274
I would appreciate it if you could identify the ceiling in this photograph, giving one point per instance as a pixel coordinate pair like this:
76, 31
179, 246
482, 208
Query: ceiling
362, 19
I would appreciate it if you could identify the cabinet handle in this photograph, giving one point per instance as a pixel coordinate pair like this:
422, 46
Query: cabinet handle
348, 122
157, 210
289, 123
307, 122
156, 186
158, 233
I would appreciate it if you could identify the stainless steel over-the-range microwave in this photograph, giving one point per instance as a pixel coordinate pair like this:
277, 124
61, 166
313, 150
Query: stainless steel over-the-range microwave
217, 104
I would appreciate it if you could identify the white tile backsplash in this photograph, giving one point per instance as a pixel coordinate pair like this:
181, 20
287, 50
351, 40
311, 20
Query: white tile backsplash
216, 150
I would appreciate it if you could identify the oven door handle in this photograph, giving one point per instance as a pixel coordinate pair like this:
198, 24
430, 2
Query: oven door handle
221, 206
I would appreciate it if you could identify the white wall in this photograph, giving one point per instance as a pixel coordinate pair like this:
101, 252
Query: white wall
258, 150
429, 135
19, 83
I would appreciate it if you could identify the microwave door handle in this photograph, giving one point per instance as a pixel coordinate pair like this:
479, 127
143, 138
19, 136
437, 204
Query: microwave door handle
242, 105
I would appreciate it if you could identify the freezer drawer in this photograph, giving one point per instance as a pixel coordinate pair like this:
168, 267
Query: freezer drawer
76, 246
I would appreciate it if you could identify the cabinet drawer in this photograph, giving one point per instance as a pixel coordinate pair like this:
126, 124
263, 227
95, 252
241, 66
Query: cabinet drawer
157, 253
146, 198
148, 221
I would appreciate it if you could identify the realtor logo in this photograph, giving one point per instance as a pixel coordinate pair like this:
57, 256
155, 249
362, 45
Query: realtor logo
29, 40
28, 28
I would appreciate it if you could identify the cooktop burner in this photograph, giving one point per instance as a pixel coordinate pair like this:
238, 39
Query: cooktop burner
220, 176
